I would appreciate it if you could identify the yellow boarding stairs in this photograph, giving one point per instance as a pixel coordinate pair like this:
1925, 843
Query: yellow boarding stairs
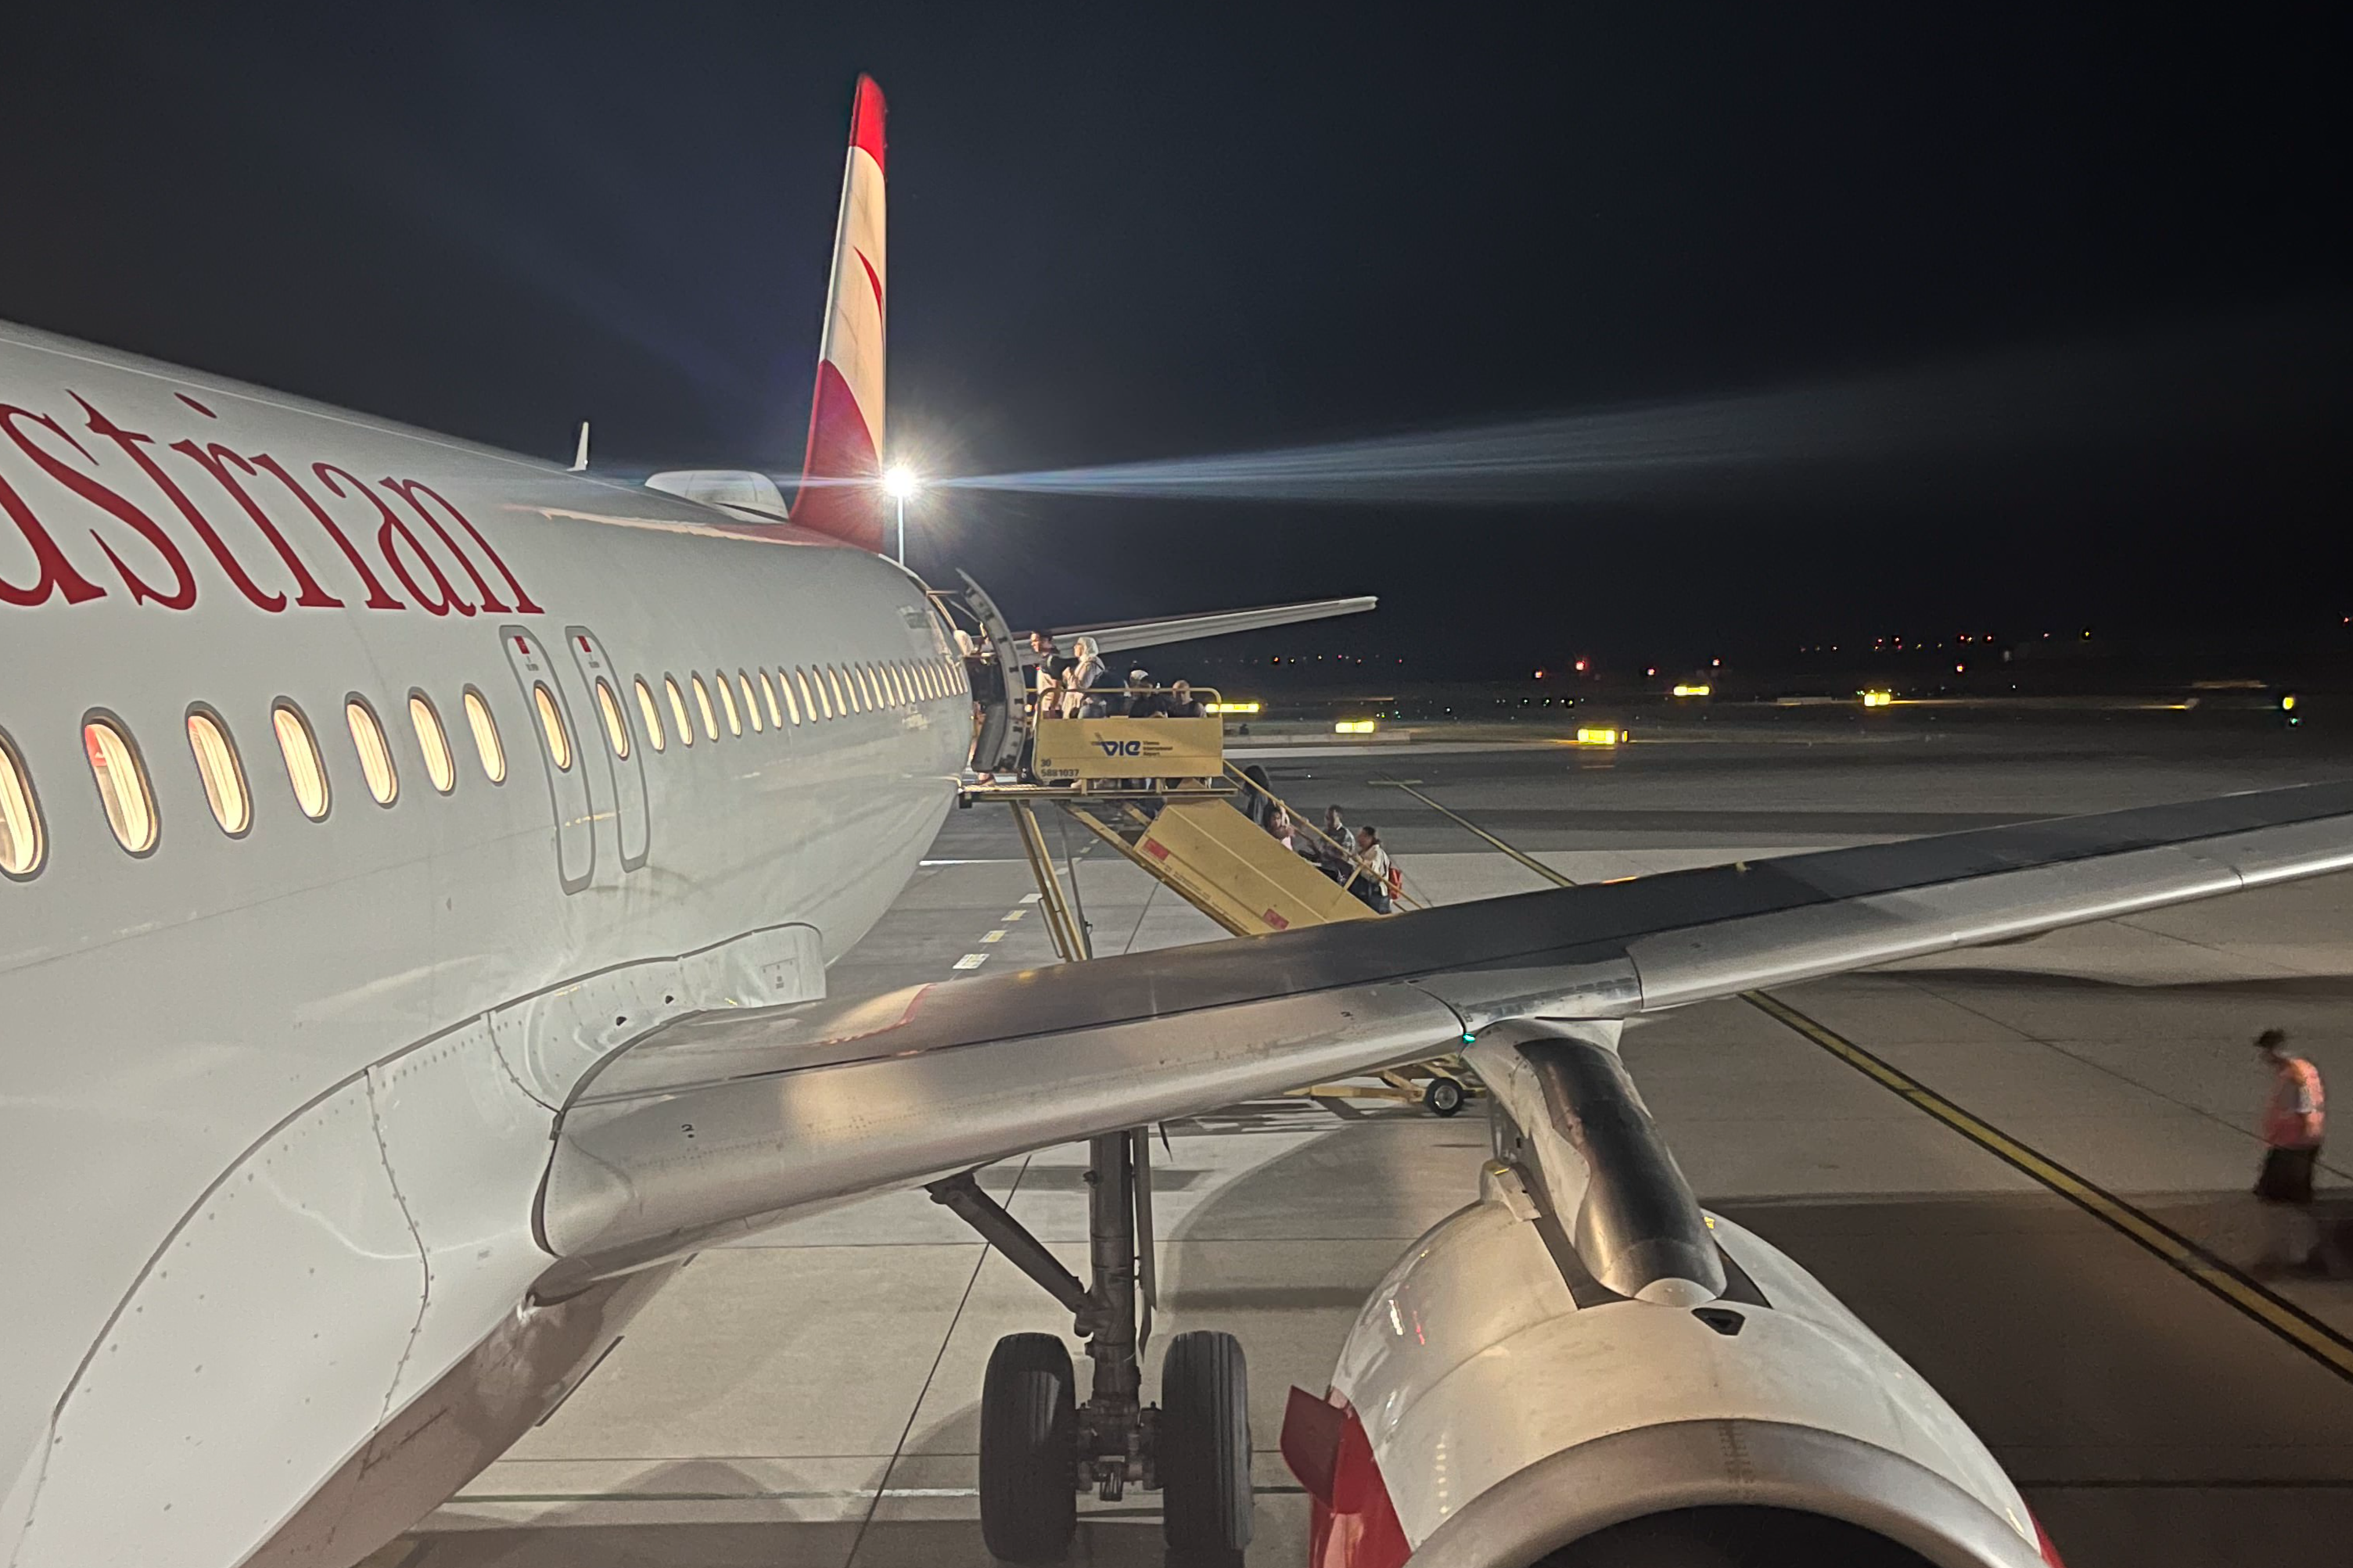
1159, 792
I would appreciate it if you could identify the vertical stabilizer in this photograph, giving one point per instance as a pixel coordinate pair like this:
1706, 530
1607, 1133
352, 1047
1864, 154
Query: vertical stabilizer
841, 492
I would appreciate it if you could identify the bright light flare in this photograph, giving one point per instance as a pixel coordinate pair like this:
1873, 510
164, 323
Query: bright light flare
900, 482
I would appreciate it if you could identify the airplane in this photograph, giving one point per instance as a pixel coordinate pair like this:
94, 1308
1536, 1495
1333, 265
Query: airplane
418, 869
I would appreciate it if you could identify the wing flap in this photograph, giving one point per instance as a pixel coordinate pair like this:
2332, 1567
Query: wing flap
730, 1120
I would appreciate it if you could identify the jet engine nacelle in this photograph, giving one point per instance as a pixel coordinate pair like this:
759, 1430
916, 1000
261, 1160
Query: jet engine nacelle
1541, 1375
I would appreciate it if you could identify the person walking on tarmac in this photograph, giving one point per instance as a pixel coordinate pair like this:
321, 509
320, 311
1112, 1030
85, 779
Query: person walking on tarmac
2294, 1115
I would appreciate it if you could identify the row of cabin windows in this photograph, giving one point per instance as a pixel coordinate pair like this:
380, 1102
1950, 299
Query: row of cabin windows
821, 692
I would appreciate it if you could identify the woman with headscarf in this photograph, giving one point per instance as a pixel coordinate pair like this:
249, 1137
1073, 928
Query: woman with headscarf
1081, 676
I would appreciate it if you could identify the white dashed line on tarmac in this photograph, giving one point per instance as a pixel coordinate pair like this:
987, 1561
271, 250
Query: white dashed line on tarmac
972, 961
998, 935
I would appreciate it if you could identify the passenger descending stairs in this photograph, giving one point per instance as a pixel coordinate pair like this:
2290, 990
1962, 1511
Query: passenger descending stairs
1220, 862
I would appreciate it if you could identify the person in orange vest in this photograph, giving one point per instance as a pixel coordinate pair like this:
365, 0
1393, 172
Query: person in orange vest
2294, 1115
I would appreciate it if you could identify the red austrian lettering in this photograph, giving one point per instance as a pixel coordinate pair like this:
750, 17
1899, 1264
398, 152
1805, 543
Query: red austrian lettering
58, 575
182, 593
389, 535
377, 598
132, 442
409, 490
216, 460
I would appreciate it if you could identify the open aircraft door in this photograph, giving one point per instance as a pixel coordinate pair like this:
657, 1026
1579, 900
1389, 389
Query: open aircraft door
610, 701
562, 745
997, 747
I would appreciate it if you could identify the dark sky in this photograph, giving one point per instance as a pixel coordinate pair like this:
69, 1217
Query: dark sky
1114, 237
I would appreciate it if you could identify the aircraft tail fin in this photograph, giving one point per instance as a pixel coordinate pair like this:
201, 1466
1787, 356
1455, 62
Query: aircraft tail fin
841, 492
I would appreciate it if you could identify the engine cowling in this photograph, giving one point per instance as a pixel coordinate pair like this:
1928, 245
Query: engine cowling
1497, 1406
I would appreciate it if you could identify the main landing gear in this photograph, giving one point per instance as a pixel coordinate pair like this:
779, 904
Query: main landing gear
1040, 1445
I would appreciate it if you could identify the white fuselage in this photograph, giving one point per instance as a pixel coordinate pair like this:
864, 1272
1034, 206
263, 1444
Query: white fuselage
274, 1104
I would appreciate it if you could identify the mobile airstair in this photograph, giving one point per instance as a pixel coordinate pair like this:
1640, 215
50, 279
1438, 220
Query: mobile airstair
1160, 793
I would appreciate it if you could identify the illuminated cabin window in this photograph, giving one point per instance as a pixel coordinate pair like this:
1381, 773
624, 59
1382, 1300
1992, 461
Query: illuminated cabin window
376, 757
840, 707
785, 684
616, 728
20, 822
923, 680
121, 784
858, 700
727, 705
813, 694
931, 680
304, 771
677, 710
703, 703
751, 701
908, 691
896, 683
769, 693
217, 766
551, 725
867, 686
434, 741
651, 714
487, 744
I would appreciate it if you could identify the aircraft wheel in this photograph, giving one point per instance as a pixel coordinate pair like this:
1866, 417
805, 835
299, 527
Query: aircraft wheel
1204, 1452
1443, 1097
1029, 1442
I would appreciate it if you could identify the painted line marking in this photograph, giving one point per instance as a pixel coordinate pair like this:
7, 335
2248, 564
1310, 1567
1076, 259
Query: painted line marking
2208, 1272
1014, 914
1538, 867
997, 935
2193, 1262
1030, 898
971, 961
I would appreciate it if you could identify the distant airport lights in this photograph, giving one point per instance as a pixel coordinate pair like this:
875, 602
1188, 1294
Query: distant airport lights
1700, 688
1877, 699
1353, 727
1596, 737
1230, 707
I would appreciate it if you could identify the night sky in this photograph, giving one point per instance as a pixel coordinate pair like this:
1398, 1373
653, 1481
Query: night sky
1114, 238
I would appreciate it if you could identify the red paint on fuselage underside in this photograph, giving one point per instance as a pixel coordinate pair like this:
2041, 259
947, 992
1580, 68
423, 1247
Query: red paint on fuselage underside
1358, 1527
840, 447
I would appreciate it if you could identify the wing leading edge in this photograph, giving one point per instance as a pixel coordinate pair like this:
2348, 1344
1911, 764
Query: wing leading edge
726, 1120
1124, 635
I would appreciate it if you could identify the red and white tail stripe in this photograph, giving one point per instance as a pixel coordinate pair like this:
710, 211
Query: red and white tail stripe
845, 435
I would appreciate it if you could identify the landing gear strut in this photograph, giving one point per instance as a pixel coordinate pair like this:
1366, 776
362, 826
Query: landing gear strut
1040, 1446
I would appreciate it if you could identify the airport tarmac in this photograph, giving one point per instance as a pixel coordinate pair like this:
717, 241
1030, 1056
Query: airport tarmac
2033, 1188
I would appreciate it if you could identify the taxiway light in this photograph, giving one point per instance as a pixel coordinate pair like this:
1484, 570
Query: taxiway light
1877, 699
1353, 727
1699, 691
1230, 707
1599, 737
2287, 702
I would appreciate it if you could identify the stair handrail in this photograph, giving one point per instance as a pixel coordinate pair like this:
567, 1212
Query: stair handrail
1344, 854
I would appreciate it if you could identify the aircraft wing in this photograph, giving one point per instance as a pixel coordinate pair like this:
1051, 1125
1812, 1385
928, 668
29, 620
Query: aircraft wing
724, 1120
1126, 634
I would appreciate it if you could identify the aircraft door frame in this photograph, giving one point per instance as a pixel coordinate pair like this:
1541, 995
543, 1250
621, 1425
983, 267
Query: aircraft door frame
632, 814
568, 800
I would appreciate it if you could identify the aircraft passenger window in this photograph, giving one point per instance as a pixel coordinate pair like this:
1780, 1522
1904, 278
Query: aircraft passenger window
121, 785
906, 687
617, 729
376, 757
865, 677
487, 744
650, 714
816, 684
891, 685
304, 771
217, 765
432, 740
702, 702
551, 724
768, 690
20, 822
677, 710
727, 703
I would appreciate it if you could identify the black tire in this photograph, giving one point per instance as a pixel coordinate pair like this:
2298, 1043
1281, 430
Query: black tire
1028, 1437
1205, 1451
1443, 1097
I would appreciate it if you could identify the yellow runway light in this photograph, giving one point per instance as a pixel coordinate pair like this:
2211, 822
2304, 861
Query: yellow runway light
1877, 699
1599, 737
1701, 690
1230, 707
1353, 727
